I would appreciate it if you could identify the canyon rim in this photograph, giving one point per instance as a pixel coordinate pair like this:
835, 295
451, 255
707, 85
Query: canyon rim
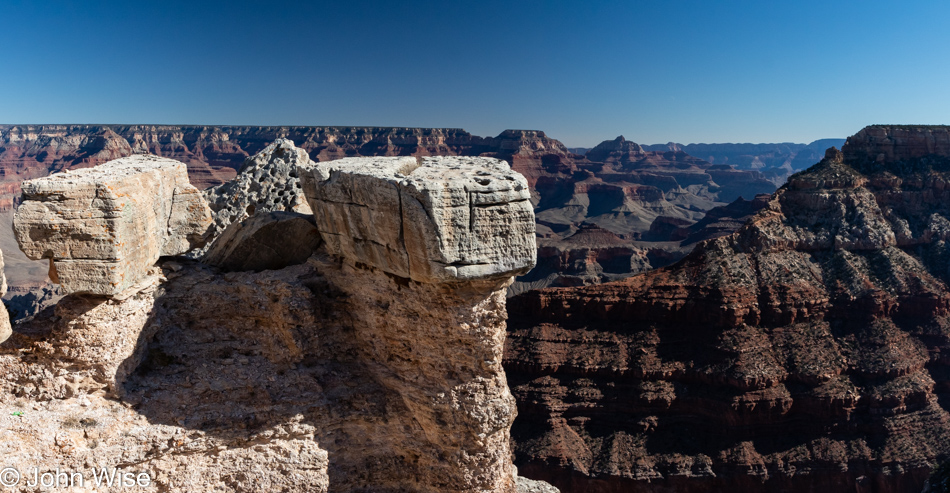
317, 324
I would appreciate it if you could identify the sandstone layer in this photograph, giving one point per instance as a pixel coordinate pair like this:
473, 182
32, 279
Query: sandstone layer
5, 328
805, 352
637, 195
102, 228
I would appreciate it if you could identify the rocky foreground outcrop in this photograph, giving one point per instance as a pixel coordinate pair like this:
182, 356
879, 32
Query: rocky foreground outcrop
340, 373
430, 219
805, 352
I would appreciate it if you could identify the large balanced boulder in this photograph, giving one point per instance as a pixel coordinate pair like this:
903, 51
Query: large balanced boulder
104, 227
432, 219
425, 251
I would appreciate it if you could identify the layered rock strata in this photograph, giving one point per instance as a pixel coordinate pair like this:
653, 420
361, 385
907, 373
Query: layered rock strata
805, 352
328, 375
621, 187
775, 161
102, 228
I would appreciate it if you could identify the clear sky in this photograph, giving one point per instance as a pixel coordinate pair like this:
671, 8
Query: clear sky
583, 71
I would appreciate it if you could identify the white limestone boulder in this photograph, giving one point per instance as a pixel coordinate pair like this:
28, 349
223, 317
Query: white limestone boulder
104, 227
431, 219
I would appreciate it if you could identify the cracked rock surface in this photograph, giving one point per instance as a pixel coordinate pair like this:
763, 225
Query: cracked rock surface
334, 374
431, 219
103, 228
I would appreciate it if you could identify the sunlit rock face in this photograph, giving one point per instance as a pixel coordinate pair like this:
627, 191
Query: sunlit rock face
103, 228
430, 219
5, 329
280, 365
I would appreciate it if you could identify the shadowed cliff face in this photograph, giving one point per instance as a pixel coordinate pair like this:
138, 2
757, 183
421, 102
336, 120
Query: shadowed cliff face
805, 352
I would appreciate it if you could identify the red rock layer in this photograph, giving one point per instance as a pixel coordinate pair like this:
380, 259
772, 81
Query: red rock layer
805, 352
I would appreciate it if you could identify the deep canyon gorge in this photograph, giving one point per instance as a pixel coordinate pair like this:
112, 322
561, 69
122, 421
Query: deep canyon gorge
666, 317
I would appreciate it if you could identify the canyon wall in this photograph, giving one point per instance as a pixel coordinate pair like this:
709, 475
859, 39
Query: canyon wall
776, 161
804, 352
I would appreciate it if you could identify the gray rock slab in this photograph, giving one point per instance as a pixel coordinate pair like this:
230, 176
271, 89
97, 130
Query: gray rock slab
431, 219
104, 227
525, 485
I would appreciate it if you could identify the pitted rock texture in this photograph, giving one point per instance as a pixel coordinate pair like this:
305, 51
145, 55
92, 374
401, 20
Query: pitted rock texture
329, 375
103, 228
431, 219
805, 352
266, 182
272, 240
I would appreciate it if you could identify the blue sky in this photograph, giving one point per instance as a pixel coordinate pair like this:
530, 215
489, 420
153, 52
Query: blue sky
654, 71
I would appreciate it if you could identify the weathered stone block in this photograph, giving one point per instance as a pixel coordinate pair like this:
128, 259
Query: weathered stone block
432, 219
104, 227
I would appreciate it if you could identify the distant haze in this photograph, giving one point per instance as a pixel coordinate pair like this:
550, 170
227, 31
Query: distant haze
683, 71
